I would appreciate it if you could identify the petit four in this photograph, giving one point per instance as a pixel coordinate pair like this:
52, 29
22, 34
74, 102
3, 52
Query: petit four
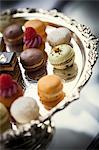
13, 36
24, 109
33, 60
50, 90
67, 74
36, 75
62, 56
9, 64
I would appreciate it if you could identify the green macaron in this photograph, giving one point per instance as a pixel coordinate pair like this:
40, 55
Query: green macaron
62, 56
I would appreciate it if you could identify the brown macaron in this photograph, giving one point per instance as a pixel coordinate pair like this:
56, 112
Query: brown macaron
32, 59
13, 34
36, 75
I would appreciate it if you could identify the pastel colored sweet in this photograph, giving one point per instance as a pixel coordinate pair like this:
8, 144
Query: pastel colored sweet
13, 35
38, 25
50, 90
24, 109
4, 119
59, 36
9, 90
67, 74
32, 39
62, 56
32, 59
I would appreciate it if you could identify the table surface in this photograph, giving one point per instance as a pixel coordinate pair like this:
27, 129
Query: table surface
78, 124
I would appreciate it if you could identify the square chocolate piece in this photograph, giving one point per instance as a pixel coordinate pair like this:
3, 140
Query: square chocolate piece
9, 64
8, 61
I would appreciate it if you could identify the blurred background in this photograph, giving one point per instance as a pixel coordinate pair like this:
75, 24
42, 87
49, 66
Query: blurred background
78, 125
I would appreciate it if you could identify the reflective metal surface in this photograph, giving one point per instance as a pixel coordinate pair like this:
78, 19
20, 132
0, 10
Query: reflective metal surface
84, 44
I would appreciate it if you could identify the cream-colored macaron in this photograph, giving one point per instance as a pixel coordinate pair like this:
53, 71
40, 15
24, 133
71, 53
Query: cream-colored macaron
67, 74
59, 36
24, 109
62, 56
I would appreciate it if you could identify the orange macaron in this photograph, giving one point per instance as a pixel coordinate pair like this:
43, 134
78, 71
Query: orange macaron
50, 90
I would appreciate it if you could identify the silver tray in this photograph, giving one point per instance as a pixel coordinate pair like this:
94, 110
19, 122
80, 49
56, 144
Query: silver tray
84, 44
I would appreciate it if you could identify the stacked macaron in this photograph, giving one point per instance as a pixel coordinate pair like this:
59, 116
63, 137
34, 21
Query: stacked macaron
50, 91
67, 74
34, 63
62, 56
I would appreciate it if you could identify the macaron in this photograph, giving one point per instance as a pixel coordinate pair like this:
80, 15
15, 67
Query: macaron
4, 119
32, 59
13, 34
24, 109
50, 90
59, 36
67, 74
36, 75
62, 56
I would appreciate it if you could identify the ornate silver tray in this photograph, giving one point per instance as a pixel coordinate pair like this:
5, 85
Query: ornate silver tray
84, 44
